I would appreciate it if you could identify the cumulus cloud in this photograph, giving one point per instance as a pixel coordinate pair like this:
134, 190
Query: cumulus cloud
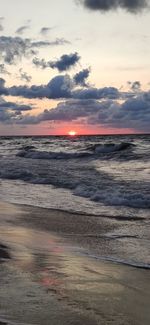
15, 48
58, 87
66, 111
133, 113
132, 6
94, 105
65, 62
61, 86
81, 77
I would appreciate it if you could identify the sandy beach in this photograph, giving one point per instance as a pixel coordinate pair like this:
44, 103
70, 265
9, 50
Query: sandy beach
49, 274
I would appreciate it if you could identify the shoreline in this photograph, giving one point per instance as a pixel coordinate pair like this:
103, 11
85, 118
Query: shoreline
85, 230
47, 266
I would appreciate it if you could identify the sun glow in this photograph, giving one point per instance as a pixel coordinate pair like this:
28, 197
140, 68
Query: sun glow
72, 133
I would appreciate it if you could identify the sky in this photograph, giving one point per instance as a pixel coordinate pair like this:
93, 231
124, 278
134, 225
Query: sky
78, 65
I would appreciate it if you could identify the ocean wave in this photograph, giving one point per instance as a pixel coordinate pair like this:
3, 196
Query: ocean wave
35, 154
93, 151
27, 148
114, 197
107, 196
22, 175
110, 147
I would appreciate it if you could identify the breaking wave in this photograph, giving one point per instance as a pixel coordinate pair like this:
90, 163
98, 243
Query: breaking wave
93, 151
111, 147
115, 198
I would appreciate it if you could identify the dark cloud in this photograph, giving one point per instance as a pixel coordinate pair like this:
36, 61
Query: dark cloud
104, 109
3, 89
67, 111
14, 106
61, 86
132, 6
24, 76
135, 86
133, 113
94, 105
22, 29
81, 77
58, 87
65, 62
15, 48
10, 111
71, 110
97, 93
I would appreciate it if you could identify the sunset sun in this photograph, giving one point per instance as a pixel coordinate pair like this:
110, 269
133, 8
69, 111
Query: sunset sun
72, 133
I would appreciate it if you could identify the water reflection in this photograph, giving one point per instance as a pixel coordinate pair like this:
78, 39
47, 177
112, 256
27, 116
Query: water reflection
83, 283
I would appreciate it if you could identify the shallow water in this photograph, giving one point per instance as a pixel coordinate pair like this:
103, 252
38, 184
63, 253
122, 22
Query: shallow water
50, 280
102, 176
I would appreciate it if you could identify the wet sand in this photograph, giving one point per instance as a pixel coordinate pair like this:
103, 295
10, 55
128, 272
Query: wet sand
50, 279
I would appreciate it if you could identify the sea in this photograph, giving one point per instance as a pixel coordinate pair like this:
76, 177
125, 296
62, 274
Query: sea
102, 176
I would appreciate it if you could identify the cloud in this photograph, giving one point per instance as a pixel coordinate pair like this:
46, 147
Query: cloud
3, 89
1, 28
3, 69
1, 25
24, 76
135, 86
10, 111
107, 111
97, 93
58, 87
61, 87
13, 49
67, 111
45, 30
22, 29
133, 113
56, 42
81, 77
132, 6
14, 106
40, 63
65, 62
